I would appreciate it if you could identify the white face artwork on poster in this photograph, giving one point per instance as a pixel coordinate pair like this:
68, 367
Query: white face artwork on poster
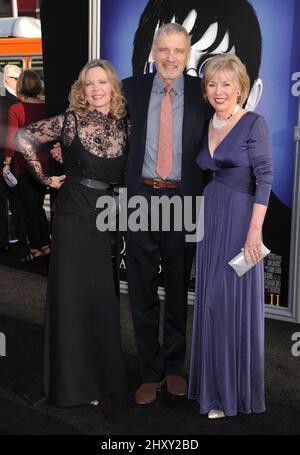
197, 52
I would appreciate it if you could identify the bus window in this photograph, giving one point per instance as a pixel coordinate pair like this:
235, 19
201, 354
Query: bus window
11, 61
36, 64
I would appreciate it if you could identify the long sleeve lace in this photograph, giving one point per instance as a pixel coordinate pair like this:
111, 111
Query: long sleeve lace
101, 135
29, 140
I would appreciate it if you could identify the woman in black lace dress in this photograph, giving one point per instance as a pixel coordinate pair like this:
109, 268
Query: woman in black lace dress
83, 356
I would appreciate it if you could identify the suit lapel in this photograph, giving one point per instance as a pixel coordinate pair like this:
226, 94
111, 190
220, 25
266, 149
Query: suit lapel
195, 112
188, 114
188, 117
144, 95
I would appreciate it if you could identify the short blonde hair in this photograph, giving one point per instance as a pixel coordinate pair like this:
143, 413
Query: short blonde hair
11, 71
228, 62
77, 98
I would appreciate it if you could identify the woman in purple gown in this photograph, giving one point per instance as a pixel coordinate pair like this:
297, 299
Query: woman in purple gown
227, 359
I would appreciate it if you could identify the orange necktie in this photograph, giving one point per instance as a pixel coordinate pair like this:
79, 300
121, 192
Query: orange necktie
164, 162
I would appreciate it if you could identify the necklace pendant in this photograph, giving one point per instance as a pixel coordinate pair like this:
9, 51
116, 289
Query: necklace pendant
218, 124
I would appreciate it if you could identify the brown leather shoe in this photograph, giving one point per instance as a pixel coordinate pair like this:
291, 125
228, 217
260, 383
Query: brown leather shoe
176, 385
147, 392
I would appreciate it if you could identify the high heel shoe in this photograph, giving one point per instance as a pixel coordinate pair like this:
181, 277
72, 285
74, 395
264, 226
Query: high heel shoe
46, 250
215, 414
33, 257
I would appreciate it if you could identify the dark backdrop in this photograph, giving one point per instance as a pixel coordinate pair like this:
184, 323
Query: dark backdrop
65, 48
65, 31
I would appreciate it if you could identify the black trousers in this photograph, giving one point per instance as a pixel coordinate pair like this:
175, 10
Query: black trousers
11, 195
32, 194
145, 250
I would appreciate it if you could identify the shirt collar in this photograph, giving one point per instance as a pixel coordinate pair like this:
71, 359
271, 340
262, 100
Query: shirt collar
10, 90
158, 85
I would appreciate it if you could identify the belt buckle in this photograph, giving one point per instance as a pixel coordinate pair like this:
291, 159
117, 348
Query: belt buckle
156, 183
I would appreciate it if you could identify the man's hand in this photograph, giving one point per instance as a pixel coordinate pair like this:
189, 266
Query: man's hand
56, 181
56, 153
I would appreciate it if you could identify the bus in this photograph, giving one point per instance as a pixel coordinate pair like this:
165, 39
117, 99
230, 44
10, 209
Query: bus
21, 43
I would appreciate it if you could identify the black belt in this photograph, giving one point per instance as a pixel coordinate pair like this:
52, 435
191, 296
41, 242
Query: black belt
157, 183
90, 183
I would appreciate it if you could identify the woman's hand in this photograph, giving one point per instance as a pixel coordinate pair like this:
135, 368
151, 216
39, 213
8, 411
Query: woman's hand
252, 247
56, 181
5, 169
56, 153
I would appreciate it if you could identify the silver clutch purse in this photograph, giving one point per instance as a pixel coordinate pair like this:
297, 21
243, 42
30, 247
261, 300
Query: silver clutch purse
239, 264
10, 179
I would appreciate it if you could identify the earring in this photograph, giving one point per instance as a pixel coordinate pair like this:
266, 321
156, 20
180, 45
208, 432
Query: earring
238, 98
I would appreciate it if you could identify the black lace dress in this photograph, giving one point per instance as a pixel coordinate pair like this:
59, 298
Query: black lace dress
83, 356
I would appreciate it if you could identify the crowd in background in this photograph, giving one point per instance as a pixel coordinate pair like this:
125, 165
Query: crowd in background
22, 217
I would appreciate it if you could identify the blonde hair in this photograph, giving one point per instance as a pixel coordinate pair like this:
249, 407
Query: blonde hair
228, 62
77, 98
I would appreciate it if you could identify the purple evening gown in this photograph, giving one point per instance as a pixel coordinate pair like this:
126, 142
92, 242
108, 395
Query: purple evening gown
227, 359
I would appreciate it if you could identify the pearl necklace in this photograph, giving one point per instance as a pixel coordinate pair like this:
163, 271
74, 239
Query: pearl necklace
218, 124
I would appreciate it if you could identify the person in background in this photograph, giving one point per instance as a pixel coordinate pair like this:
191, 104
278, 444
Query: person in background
83, 356
227, 359
8, 194
31, 108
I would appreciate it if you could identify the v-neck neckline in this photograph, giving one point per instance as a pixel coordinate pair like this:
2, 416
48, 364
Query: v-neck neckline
212, 155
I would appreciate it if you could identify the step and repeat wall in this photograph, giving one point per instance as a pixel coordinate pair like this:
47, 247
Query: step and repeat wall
265, 35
